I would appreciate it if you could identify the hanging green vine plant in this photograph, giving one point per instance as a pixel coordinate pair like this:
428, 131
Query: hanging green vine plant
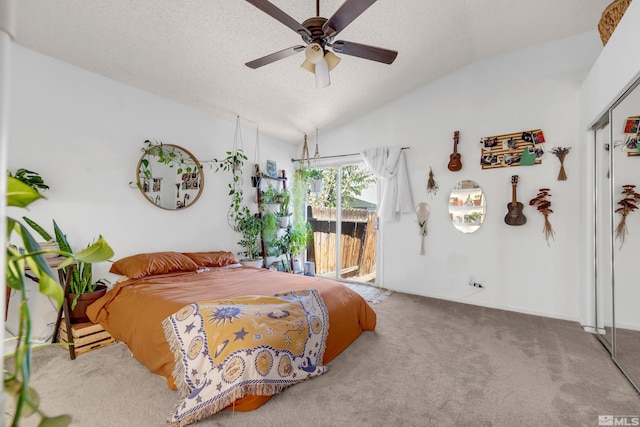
169, 155
234, 162
301, 177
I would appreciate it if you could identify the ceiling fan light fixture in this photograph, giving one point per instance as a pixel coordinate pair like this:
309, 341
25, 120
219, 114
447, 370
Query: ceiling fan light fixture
308, 66
332, 59
314, 53
322, 75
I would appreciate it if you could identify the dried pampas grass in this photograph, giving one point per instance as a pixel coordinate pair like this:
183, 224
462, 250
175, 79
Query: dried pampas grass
560, 153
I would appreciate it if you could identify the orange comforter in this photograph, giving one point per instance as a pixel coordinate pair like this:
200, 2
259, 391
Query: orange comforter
133, 311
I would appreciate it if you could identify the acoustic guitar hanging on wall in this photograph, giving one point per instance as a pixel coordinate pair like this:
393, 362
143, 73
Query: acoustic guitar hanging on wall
515, 215
455, 164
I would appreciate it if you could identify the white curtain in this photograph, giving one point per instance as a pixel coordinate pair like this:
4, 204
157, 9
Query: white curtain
388, 165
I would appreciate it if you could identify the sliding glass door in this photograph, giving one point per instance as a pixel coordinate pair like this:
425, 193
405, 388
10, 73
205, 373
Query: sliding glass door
344, 223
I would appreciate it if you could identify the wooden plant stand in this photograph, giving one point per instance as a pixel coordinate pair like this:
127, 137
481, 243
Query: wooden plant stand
84, 337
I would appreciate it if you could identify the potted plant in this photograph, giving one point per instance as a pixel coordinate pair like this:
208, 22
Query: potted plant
270, 198
83, 290
271, 195
291, 244
299, 235
284, 213
316, 179
283, 245
250, 228
16, 379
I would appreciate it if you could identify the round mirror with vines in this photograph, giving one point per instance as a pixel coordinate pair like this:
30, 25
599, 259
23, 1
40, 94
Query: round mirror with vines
169, 176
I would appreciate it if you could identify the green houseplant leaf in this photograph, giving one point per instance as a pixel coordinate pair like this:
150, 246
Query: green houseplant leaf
48, 284
96, 252
20, 194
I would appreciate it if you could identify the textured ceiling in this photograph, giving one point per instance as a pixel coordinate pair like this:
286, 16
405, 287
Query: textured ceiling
193, 51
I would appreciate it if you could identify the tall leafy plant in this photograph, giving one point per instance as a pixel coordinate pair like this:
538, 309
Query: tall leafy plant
270, 232
81, 280
250, 228
17, 378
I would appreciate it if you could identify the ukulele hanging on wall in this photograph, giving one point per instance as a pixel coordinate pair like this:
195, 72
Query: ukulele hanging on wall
455, 164
515, 215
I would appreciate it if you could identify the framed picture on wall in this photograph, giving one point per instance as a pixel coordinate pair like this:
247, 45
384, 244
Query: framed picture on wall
272, 171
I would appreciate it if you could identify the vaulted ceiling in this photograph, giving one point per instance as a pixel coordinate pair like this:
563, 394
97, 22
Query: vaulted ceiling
194, 51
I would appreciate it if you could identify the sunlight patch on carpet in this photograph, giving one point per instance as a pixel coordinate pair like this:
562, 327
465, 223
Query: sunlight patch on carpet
370, 293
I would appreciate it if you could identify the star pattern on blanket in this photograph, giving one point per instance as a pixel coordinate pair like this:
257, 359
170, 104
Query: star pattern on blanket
189, 327
240, 334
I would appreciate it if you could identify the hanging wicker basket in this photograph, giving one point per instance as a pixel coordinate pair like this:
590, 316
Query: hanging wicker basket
610, 18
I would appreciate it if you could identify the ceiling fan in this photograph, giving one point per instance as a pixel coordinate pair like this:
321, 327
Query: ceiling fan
318, 33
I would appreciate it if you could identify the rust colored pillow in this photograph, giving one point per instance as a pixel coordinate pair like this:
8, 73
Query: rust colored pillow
141, 265
212, 259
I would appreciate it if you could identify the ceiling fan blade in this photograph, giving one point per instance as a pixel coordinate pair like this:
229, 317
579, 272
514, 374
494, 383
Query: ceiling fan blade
372, 53
271, 10
256, 63
345, 15
322, 74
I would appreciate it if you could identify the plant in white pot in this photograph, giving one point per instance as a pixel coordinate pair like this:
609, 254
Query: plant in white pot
291, 244
284, 214
299, 235
316, 178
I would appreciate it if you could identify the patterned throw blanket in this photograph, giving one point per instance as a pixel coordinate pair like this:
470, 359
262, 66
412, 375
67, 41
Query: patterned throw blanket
256, 345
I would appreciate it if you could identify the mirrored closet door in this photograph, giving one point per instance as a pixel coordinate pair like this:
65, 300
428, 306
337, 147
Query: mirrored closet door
603, 232
618, 235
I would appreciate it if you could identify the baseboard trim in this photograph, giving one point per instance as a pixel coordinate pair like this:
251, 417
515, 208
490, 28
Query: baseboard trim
496, 306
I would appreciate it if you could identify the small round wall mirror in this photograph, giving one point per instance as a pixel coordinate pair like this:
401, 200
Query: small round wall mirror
467, 206
170, 177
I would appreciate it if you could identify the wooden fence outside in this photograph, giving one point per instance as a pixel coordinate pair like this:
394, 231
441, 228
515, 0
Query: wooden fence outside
358, 243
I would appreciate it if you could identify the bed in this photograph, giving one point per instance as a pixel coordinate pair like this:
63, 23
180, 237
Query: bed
155, 286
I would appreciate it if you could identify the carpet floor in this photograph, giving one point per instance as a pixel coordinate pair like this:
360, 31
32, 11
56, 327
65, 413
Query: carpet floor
429, 363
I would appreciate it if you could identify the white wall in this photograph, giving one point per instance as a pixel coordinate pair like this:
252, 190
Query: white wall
528, 89
611, 75
83, 133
